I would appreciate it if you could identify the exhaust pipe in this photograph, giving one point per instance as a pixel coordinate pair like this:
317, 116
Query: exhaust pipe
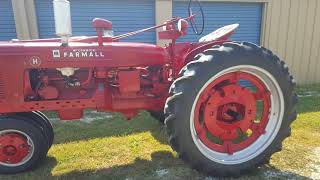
62, 18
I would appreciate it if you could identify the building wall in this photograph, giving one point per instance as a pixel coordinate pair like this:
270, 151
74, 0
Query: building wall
7, 24
290, 28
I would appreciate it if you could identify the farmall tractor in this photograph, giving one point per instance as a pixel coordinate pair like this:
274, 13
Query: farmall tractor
227, 106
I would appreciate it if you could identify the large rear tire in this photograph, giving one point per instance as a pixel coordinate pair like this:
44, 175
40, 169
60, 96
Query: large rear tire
231, 109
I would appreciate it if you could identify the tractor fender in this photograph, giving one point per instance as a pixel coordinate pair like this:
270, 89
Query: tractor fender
217, 37
199, 49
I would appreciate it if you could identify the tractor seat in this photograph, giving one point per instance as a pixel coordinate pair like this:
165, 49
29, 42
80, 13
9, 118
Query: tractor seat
219, 33
101, 23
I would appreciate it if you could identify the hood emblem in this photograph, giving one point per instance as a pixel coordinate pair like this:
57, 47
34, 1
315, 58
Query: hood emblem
35, 61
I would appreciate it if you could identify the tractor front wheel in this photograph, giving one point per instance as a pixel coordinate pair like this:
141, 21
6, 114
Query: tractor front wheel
22, 145
231, 109
41, 121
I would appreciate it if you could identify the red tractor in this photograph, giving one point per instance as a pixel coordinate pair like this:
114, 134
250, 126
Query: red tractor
227, 106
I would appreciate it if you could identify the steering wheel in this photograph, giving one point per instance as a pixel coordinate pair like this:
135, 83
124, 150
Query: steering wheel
195, 9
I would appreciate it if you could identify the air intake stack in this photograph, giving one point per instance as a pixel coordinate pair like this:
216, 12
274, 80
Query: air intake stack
62, 18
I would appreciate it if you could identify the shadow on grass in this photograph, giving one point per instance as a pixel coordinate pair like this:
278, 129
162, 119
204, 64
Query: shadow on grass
106, 126
163, 165
309, 98
308, 104
41, 172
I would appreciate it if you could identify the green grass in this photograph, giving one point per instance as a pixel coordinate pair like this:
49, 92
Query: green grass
112, 148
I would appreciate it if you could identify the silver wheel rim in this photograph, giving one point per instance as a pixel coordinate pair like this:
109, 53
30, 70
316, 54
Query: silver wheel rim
30, 144
272, 129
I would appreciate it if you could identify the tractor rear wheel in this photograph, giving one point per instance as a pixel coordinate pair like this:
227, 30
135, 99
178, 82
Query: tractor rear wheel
22, 145
231, 109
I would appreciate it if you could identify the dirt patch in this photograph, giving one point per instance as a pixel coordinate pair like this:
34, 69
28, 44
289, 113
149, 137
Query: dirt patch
309, 94
162, 172
91, 116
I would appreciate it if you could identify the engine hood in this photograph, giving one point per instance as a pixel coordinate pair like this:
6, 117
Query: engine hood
76, 54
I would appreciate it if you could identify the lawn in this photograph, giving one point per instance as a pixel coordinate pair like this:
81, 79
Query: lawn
112, 148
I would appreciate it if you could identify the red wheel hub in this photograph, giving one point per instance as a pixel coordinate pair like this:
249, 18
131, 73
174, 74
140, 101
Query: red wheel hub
226, 113
13, 148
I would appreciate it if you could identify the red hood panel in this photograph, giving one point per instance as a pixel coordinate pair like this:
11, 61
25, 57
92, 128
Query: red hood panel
113, 54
